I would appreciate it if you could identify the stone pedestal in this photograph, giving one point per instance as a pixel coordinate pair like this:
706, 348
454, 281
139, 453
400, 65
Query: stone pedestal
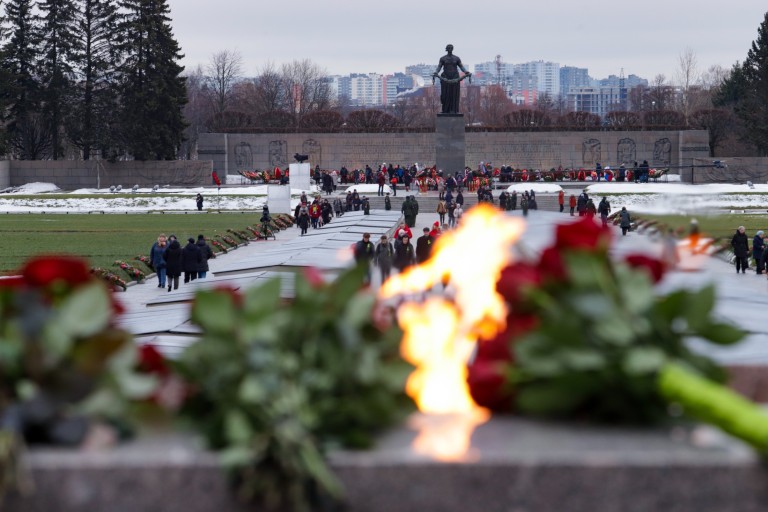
279, 198
300, 176
450, 143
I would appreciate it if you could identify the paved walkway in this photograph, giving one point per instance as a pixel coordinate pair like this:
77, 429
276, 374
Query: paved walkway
155, 315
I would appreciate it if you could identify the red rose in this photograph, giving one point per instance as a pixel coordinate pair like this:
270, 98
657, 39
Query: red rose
152, 361
499, 348
514, 278
582, 234
45, 270
654, 267
551, 264
12, 282
488, 385
313, 276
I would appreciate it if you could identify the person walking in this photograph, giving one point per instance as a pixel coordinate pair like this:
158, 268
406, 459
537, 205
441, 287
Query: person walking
364, 252
604, 209
740, 244
385, 255
758, 251
424, 246
157, 260
172, 257
441, 210
190, 260
206, 253
625, 221
405, 256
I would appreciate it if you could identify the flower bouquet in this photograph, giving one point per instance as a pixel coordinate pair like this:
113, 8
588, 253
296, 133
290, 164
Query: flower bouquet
110, 277
64, 363
274, 383
133, 272
145, 260
588, 338
239, 234
218, 245
229, 241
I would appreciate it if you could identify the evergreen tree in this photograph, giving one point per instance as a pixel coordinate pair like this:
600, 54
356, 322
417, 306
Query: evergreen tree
94, 112
27, 137
754, 108
746, 91
153, 90
60, 47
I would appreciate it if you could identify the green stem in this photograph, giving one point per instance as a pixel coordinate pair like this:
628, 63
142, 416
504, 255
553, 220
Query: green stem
716, 404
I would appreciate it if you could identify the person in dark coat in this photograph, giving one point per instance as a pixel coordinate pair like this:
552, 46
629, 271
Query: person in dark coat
172, 257
190, 260
740, 244
405, 256
206, 254
625, 222
385, 253
424, 246
199, 201
364, 252
758, 251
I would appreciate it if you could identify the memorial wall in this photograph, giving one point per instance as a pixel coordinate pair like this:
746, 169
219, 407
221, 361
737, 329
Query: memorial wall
541, 150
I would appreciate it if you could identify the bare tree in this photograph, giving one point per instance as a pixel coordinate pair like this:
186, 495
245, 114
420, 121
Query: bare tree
526, 119
660, 94
306, 88
370, 121
494, 105
688, 76
622, 120
223, 72
197, 111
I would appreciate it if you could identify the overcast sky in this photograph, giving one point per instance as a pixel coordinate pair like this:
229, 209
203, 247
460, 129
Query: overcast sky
644, 37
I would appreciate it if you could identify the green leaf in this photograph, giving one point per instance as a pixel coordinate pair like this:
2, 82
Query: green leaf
263, 299
637, 294
548, 398
720, 333
214, 311
615, 330
644, 360
358, 310
699, 306
583, 359
236, 456
87, 311
237, 428
252, 391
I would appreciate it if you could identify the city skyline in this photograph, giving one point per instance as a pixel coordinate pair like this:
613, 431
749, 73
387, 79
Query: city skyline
644, 40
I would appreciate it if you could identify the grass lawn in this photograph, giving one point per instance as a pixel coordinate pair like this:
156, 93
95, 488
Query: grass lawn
716, 226
102, 239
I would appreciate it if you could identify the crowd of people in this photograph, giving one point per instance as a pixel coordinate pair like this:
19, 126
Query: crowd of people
170, 260
741, 251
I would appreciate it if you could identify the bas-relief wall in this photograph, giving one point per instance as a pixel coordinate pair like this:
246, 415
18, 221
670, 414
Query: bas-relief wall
232, 152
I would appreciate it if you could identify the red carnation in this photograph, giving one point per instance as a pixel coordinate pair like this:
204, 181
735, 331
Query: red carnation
313, 276
488, 385
514, 278
45, 270
583, 234
499, 348
653, 266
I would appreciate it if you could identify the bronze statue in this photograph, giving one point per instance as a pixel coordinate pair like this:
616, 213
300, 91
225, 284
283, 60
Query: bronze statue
450, 88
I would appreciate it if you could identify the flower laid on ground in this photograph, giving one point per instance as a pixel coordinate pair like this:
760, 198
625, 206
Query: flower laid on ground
133, 272
239, 234
110, 277
64, 363
218, 245
144, 259
588, 337
276, 382
229, 241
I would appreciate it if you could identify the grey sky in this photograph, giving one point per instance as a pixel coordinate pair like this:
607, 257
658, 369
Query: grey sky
644, 37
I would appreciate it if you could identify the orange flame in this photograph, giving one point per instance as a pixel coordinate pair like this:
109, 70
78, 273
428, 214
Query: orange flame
440, 335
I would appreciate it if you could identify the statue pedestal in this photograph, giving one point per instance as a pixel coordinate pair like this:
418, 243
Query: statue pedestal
449, 143
300, 176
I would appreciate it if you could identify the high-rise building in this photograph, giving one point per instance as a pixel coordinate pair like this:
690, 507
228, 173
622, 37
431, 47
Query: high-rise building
394, 85
546, 73
629, 82
597, 100
423, 70
571, 76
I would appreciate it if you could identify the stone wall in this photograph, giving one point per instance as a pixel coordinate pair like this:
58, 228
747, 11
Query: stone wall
543, 150
736, 170
75, 174
5, 174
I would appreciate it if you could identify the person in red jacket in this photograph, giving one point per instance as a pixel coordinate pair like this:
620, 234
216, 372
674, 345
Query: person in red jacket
572, 203
561, 200
314, 214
